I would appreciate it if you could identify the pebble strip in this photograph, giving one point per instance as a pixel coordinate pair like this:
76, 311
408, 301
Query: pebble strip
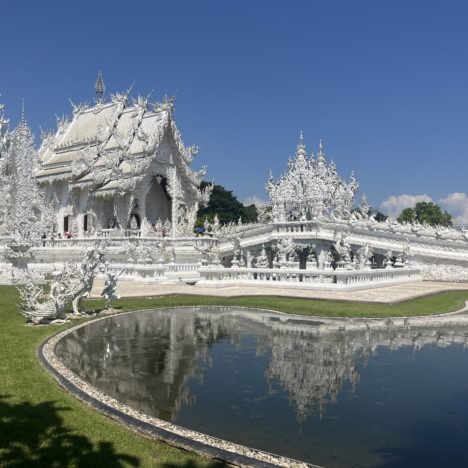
234, 454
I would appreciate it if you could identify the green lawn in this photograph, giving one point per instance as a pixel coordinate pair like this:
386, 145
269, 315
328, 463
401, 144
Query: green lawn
42, 425
438, 303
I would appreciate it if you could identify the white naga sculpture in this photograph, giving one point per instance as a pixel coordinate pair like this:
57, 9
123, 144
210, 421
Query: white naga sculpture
38, 307
73, 283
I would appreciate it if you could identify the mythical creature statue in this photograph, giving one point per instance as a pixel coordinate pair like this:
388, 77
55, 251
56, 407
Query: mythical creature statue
327, 260
388, 259
264, 213
311, 262
364, 255
40, 308
342, 246
235, 263
209, 249
110, 285
285, 248
261, 260
81, 277
139, 252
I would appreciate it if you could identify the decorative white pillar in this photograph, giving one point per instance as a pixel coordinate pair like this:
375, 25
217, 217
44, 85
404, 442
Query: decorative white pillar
175, 192
144, 189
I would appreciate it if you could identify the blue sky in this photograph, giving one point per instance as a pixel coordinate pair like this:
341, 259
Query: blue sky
383, 83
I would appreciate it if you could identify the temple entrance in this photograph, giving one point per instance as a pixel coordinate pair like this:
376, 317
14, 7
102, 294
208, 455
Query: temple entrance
157, 201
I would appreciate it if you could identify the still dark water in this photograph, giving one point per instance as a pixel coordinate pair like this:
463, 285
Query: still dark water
392, 397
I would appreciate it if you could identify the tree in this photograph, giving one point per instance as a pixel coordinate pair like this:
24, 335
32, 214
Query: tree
226, 205
408, 215
379, 216
426, 213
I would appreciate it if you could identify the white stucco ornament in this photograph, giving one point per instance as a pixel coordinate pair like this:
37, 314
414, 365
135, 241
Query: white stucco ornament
310, 188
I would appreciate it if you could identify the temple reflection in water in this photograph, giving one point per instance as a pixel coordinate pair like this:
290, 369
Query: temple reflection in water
147, 360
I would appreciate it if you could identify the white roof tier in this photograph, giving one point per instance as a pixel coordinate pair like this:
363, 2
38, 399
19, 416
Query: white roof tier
108, 137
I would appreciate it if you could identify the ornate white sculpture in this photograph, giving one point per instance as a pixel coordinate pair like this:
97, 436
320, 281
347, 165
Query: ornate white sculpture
310, 188
236, 259
343, 249
364, 254
311, 262
73, 283
388, 259
452, 273
110, 286
38, 308
327, 259
261, 260
209, 250
81, 277
20, 212
285, 248
139, 252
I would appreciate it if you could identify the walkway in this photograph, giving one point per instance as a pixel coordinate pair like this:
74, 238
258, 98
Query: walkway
385, 294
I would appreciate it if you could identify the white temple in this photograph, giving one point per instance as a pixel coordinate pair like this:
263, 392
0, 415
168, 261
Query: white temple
116, 166
118, 171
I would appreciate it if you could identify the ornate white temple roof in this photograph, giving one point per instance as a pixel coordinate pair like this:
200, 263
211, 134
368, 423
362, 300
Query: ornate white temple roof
111, 142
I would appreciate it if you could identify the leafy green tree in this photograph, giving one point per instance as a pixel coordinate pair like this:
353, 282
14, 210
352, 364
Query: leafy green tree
426, 212
226, 205
379, 216
408, 215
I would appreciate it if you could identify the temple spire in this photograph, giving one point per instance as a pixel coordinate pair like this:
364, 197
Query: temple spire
23, 115
100, 88
301, 148
321, 152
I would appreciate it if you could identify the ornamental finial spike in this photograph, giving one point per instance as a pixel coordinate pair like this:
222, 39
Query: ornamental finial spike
23, 115
100, 88
301, 148
321, 153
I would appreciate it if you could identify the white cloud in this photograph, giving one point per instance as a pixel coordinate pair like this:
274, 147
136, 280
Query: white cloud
394, 205
457, 205
254, 201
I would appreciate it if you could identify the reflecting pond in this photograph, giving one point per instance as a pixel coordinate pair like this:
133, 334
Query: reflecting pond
382, 395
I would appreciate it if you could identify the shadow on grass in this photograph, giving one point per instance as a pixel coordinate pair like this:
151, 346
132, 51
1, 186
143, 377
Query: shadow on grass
35, 436
192, 464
